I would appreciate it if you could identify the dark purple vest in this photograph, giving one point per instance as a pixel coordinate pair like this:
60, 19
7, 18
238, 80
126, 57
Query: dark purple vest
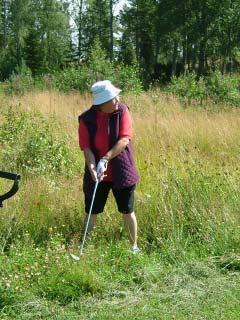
124, 172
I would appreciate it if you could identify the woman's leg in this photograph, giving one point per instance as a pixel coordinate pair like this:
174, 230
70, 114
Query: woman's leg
98, 205
130, 223
125, 202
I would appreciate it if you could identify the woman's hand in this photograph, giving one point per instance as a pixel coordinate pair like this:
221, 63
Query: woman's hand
101, 168
94, 175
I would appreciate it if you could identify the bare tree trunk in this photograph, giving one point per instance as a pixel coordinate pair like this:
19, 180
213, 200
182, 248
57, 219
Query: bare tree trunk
111, 29
5, 19
80, 29
201, 58
157, 49
194, 61
203, 40
138, 35
229, 50
185, 55
174, 58
223, 68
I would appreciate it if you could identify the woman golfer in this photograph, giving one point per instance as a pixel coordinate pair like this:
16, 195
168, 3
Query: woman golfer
105, 132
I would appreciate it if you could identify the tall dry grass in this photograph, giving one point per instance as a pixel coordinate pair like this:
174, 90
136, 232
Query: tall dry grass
155, 115
188, 162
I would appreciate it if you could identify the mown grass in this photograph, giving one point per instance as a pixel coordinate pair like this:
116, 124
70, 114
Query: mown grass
187, 204
110, 282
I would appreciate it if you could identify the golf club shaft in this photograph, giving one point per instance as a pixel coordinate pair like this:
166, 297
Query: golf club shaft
89, 215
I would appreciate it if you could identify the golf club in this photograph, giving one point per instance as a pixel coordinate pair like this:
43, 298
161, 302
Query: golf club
73, 256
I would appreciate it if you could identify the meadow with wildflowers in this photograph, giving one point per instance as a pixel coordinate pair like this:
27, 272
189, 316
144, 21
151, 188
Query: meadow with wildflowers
187, 204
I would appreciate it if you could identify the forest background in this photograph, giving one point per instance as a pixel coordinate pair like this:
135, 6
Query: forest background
144, 43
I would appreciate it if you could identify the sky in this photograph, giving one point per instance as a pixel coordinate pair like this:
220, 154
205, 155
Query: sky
119, 6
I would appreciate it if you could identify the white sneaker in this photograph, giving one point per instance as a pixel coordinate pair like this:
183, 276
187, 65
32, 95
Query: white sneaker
135, 249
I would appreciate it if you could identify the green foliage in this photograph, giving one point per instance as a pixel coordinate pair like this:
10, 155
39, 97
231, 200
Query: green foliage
66, 284
45, 282
35, 31
46, 271
98, 67
224, 88
188, 88
72, 78
7, 64
20, 81
190, 204
215, 87
139, 23
95, 25
6, 297
128, 78
187, 205
29, 145
197, 36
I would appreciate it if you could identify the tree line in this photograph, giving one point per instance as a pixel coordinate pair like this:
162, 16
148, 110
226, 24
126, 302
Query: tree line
162, 37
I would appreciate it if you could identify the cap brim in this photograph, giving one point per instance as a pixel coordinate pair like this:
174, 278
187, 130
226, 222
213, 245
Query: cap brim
106, 98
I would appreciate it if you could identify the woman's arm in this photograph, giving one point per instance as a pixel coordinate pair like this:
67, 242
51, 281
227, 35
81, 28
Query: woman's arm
125, 134
91, 162
117, 148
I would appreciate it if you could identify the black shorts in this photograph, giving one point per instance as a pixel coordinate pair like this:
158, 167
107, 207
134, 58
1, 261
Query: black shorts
124, 198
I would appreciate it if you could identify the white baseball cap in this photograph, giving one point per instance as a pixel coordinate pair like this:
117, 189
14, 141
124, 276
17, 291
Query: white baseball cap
104, 91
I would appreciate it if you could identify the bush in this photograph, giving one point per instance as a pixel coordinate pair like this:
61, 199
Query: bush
73, 78
98, 67
188, 88
128, 78
20, 81
78, 77
217, 87
28, 144
223, 88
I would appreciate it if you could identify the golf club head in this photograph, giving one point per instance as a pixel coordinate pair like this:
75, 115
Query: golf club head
74, 257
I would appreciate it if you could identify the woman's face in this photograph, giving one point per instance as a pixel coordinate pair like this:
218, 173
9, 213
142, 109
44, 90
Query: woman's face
116, 101
111, 105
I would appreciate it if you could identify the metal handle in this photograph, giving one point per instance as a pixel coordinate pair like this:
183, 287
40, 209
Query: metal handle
10, 176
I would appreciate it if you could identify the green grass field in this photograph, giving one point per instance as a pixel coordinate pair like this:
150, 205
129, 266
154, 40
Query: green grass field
187, 204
